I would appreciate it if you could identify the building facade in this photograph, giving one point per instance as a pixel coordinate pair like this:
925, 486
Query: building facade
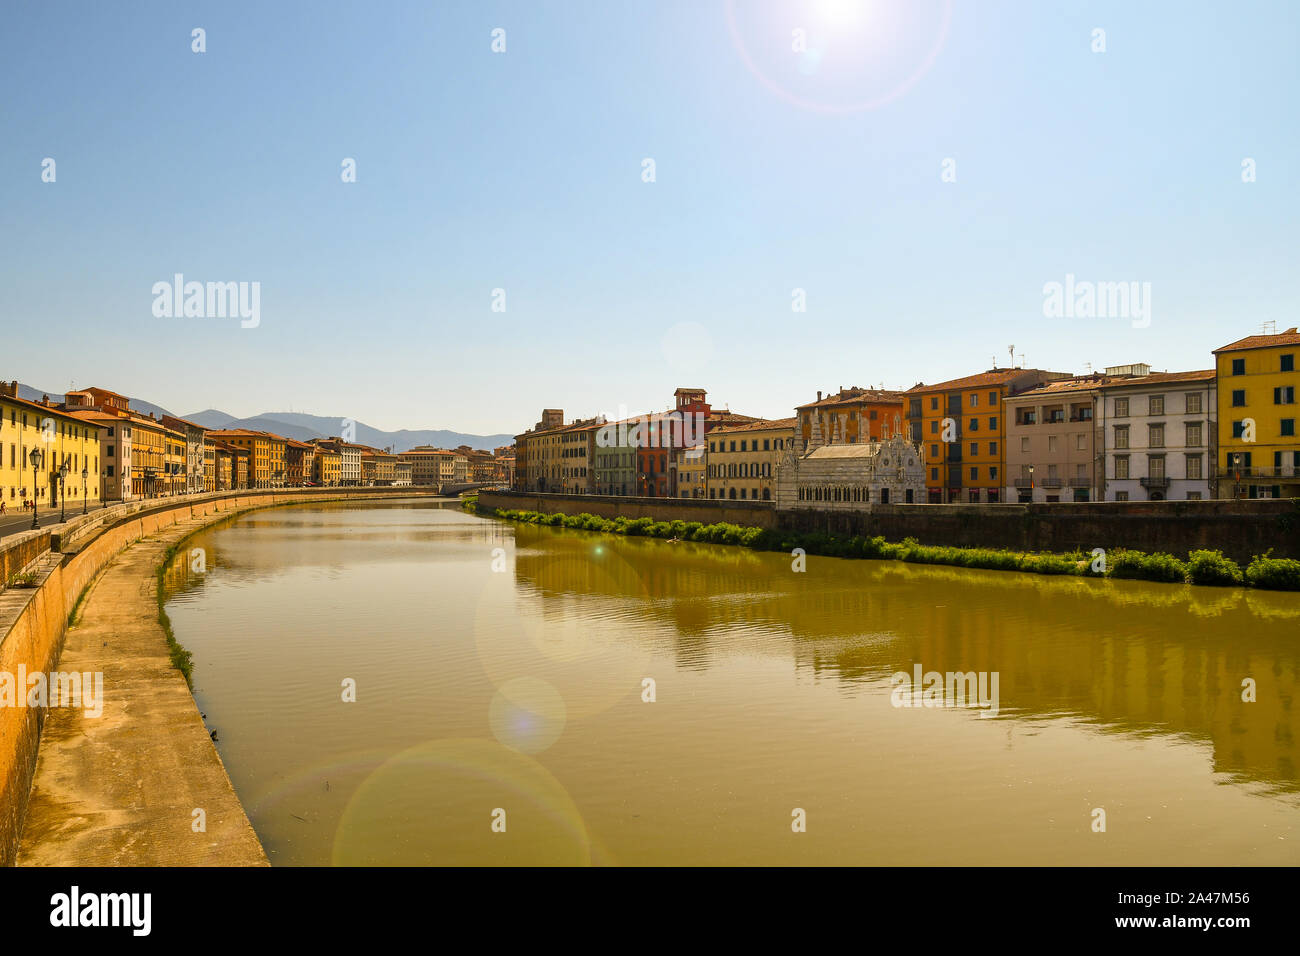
1258, 453
741, 460
1160, 433
849, 416
851, 477
961, 428
1052, 447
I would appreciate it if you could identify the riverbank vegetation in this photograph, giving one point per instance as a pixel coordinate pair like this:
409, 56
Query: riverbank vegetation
1200, 567
181, 658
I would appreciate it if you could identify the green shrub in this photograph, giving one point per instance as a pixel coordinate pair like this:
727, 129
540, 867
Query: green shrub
1273, 574
1122, 563
1212, 568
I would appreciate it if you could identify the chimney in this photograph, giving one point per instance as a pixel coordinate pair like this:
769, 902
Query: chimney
819, 395
9, 389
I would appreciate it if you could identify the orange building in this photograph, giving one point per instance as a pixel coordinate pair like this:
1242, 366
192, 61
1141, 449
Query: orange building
849, 416
962, 429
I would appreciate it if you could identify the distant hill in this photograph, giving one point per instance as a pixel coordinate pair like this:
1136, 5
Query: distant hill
304, 427
137, 404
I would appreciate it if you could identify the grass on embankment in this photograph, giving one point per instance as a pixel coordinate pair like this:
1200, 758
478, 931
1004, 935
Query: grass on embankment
181, 658
1200, 567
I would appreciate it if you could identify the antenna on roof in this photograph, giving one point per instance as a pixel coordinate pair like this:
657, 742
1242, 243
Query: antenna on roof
1269, 327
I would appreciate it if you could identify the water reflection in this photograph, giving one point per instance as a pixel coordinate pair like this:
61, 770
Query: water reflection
493, 660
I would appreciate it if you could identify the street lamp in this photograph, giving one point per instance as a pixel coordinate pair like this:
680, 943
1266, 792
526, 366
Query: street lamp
37, 457
1031, 483
63, 501
1236, 476
85, 475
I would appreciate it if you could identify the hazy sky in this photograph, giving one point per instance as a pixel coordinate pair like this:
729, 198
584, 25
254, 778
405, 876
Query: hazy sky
776, 168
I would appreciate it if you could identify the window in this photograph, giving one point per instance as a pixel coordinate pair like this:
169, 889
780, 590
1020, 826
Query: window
993, 448
1288, 426
1288, 363
974, 474
934, 402
934, 474
974, 400
993, 424
1193, 403
1156, 466
1193, 435
1155, 436
1194, 467
934, 451
1051, 443
1285, 395
1237, 429
993, 474
1121, 408
1024, 444
1238, 366
974, 424
1121, 496
1156, 405
993, 399
1193, 496
1239, 397
1121, 466
934, 426
974, 448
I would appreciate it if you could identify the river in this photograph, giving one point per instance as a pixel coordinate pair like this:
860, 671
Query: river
503, 679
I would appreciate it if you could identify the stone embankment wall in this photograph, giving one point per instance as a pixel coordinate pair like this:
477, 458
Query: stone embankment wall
1240, 529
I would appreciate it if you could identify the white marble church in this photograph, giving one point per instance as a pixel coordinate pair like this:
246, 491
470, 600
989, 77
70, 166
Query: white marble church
838, 476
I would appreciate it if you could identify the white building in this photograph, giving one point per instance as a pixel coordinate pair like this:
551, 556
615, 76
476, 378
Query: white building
1160, 434
848, 477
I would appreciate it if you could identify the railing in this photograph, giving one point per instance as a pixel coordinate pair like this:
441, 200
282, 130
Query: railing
1080, 482
1154, 482
1285, 471
1024, 482
1053, 482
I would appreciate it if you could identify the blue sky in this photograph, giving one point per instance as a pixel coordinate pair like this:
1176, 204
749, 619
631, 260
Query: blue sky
523, 171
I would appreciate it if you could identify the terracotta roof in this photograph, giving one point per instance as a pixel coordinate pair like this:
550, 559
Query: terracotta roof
855, 395
1162, 378
1289, 337
997, 376
761, 425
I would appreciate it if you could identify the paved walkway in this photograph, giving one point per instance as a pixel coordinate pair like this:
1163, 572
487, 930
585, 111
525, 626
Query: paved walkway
121, 789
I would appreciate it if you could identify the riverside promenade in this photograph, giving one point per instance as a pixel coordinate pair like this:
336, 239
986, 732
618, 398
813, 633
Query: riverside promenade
121, 785
122, 788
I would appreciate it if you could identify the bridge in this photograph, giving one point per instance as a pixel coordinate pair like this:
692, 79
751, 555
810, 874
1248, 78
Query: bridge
454, 490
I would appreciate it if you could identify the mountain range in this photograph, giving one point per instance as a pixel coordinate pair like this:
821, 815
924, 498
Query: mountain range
305, 427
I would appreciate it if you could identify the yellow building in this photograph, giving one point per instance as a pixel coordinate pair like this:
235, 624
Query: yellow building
1257, 382
327, 466
740, 461
266, 455
58, 438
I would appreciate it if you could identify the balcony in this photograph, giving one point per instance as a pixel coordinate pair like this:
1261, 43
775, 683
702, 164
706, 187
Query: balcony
1080, 481
1286, 471
1053, 482
1157, 483
1024, 482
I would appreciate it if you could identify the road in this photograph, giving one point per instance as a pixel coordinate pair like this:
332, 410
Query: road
15, 519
